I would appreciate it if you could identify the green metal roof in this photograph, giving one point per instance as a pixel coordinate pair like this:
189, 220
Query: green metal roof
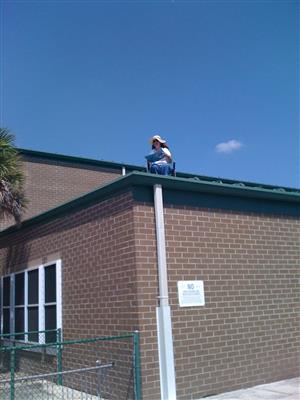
184, 185
130, 168
78, 160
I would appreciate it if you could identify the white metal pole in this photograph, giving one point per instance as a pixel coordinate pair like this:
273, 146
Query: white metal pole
163, 313
41, 299
58, 295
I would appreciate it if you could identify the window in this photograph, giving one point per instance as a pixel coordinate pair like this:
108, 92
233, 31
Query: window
31, 302
19, 304
50, 302
6, 305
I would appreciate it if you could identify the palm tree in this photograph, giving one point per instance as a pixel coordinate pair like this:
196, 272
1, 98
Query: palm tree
12, 199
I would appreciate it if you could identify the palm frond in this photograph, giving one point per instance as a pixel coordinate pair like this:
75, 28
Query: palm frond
12, 199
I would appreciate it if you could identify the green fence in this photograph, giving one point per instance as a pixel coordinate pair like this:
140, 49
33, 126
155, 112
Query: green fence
97, 368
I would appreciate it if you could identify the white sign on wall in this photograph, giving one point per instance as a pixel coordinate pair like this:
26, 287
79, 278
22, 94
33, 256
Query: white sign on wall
191, 293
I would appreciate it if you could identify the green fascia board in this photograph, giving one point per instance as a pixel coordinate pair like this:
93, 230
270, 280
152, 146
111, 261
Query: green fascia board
139, 179
217, 187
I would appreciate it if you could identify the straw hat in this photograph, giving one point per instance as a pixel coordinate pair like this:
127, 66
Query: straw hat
158, 138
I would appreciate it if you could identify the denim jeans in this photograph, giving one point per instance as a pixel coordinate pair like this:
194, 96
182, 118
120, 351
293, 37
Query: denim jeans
160, 169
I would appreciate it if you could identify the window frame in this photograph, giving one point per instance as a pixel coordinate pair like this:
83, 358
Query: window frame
41, 305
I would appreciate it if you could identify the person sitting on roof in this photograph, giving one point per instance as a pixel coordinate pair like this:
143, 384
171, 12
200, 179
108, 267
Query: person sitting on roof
160, 158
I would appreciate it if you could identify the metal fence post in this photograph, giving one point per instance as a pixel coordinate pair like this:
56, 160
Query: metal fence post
12, 372
137, 365
59, 357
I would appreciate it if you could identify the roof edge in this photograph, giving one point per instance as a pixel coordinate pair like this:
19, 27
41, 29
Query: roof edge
146, 179
131, 167
78, 160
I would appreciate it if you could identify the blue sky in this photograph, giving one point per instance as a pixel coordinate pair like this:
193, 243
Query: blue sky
218, 79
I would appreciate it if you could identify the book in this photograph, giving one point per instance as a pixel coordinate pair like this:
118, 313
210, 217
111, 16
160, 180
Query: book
155, 156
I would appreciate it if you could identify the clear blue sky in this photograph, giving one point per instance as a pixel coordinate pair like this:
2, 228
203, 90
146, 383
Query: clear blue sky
218, 79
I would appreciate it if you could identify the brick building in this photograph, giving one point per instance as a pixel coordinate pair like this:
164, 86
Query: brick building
115, 241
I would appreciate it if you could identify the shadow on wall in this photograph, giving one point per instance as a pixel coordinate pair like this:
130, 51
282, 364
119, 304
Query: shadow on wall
96, 214
16, 255
16, 250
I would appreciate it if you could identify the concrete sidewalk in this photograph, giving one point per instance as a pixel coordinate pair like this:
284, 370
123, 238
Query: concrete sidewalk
283, 390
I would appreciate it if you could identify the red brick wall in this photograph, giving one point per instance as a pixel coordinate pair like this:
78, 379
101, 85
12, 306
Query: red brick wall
97, 249
147, 286
49, 183
96, 246
247, 333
